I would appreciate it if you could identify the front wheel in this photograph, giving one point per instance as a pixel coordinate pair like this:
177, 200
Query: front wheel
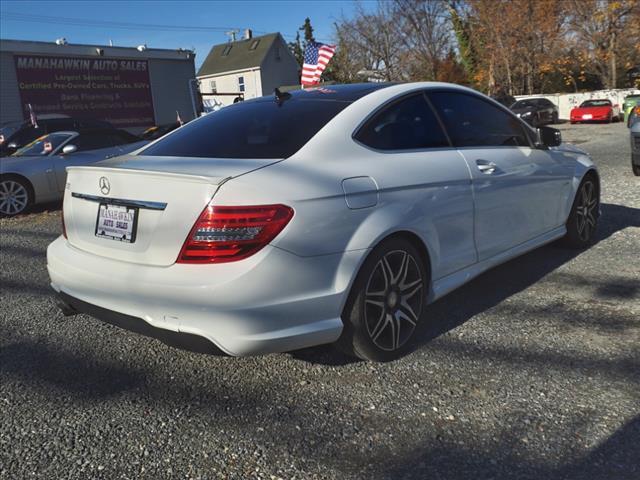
386, 302
583, 219
15, 196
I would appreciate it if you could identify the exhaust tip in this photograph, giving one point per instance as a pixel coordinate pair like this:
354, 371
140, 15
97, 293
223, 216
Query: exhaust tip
66, 309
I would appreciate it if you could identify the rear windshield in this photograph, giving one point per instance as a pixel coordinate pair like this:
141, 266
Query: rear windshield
596, 103
253, 129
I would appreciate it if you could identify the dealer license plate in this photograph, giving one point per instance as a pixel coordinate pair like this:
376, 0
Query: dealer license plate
117, 222
587, 116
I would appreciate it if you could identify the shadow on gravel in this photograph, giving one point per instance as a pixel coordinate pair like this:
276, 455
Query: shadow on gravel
496, 285
36, 363
615, 459
23, 251
10, 286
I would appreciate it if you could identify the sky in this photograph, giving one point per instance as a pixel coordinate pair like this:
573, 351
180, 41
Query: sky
207, 20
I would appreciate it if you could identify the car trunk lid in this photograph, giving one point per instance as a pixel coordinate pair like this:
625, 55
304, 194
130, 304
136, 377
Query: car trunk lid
161, 197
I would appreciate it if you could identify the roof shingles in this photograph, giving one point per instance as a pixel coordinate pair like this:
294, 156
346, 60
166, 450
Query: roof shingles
239, 57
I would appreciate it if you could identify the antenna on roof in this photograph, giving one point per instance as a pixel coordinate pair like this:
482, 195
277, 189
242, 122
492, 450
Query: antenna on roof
281, 96
232, 35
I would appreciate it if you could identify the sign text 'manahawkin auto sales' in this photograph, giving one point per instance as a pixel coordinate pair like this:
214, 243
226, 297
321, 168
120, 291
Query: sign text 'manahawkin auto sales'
115, 90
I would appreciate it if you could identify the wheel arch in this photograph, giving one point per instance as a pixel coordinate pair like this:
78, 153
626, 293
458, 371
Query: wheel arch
354, 270
22, 178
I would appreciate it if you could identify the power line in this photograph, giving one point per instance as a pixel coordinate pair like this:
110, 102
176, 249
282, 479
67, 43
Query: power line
86, 22
23, 17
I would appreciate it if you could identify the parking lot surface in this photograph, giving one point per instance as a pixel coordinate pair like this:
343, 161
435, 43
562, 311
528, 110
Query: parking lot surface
531, 370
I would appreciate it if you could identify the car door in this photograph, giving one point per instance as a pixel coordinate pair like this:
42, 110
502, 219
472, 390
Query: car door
91, 147
420, 175
517, 188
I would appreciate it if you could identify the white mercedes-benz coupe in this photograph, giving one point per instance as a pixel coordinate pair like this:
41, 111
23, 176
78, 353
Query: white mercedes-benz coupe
324, 215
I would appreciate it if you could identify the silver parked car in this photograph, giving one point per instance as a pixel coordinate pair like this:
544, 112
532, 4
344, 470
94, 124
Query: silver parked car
36, 173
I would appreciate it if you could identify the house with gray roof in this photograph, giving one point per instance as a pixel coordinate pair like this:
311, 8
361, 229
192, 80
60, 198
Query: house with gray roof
249, 68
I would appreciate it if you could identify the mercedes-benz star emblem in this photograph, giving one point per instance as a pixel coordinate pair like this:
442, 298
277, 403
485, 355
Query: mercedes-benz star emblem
105, 187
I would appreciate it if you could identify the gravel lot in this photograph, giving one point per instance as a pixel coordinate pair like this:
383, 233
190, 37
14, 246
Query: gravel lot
530, 371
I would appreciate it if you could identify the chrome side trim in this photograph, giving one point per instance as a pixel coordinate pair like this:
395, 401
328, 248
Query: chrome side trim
121, 201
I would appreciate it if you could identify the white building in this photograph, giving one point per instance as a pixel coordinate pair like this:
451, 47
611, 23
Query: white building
248, 68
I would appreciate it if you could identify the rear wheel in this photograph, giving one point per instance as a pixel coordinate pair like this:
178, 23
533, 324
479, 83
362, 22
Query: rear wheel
15, 196
636, 169
386, 302
583, 219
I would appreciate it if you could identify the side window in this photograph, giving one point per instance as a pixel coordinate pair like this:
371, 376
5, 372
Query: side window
241, 84
406, 125
92, 141
472, 122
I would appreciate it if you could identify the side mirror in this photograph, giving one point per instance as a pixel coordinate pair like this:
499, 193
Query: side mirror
69, 149
549, 137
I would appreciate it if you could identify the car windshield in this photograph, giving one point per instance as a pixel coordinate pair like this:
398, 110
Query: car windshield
595, 103
524, 104
7, 130
261, 128
43, 145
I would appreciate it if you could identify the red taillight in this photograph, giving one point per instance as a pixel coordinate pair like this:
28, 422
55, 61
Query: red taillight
227, 234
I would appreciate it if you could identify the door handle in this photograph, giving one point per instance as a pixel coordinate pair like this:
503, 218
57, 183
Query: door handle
486, 167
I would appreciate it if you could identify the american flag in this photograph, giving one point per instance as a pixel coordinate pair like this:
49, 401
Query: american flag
316, 57
32, 116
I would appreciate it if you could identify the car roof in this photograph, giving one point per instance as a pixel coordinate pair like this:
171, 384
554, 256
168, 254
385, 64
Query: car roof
343, 92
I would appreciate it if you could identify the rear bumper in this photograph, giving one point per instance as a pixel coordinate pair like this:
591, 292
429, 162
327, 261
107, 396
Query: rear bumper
185, 341
273, 301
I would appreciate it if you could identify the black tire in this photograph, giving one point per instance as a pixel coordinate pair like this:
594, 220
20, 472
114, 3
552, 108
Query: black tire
583, 219
16, 196
386, 302
636, 169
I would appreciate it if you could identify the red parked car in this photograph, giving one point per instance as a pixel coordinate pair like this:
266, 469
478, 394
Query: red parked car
595, 111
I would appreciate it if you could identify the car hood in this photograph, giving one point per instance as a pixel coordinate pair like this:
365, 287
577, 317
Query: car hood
569, 148
523, 109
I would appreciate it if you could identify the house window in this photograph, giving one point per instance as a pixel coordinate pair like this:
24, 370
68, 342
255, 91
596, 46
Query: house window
254, 44
241, 84
226, 50
214, 88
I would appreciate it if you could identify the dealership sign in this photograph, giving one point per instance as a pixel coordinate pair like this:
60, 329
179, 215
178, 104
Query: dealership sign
113, 89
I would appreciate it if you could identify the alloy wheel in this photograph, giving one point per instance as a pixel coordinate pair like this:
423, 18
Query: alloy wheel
393, 300
586, 211
14, 197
